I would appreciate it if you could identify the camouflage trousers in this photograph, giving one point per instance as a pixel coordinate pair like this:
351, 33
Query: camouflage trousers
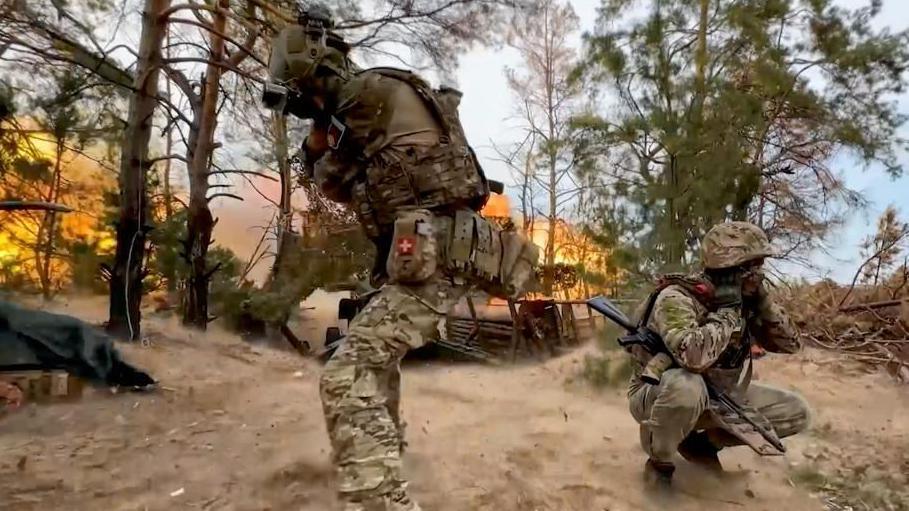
675, 407
360, 389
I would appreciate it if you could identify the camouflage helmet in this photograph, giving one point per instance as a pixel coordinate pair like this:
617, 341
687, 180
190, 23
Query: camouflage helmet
734, 243
300, 49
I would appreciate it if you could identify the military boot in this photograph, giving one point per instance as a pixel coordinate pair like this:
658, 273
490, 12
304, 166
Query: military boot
658, 474
397, 500
699, 450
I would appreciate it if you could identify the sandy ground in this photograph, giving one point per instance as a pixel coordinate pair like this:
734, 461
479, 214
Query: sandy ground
239, 427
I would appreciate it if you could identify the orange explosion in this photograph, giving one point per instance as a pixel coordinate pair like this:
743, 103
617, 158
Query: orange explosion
85, 181
498, 206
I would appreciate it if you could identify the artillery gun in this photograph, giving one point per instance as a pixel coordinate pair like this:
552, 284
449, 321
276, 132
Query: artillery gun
482, 329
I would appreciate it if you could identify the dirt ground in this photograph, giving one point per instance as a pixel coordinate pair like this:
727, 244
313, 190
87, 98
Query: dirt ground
239, 427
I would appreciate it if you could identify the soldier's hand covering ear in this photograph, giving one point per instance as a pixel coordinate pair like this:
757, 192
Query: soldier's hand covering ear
302, 106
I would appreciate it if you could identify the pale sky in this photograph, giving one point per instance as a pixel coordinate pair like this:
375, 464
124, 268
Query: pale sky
487, 105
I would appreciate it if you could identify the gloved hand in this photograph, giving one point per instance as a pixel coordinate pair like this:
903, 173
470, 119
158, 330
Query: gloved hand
758, 299
728, 295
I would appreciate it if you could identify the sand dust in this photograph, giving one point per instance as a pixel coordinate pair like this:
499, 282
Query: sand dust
239, 427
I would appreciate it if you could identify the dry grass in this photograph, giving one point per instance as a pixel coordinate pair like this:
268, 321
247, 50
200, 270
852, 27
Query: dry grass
834, 317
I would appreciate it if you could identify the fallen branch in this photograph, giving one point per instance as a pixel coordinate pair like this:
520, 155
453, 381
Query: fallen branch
870, 305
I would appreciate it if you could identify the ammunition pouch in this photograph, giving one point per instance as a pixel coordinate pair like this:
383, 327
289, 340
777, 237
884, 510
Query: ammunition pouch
414, 250
466, 247
443, 177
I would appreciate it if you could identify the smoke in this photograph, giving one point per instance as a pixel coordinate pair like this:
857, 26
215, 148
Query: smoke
324, 314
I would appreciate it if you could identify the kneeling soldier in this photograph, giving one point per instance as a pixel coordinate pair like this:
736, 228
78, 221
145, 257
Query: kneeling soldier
709, 323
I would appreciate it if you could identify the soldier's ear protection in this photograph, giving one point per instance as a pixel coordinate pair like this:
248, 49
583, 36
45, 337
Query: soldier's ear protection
274, 97
301, 52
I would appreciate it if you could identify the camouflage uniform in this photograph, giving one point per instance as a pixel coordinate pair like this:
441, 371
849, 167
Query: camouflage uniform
715, 344
397, 156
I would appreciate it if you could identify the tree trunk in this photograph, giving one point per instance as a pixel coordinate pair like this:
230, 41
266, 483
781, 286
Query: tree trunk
51, 233
170, 275
674, 234
552, 155
285, 213
127, 273
199, 229
277, 283
701, 60
199, 154
46, 236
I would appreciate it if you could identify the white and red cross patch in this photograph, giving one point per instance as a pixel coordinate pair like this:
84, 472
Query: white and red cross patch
405, 245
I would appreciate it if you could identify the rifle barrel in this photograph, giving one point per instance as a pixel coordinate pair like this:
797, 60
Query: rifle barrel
22, 205
602, 305
732, 405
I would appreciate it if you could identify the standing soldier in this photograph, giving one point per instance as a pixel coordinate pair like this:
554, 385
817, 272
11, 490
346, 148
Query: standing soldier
393, 149
708, 323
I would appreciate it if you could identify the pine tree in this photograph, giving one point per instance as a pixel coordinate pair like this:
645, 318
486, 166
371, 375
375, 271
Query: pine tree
733, 110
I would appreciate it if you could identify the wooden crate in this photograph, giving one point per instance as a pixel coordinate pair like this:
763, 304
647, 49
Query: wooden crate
45, 386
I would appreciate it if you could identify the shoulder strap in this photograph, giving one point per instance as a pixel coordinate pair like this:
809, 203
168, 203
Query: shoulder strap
651, 301
698, 290
423, 89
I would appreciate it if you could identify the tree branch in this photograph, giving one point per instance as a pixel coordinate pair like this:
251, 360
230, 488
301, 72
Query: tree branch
223, 194
247, 172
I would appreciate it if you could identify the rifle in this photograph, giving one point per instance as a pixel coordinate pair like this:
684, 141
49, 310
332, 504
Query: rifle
650, 341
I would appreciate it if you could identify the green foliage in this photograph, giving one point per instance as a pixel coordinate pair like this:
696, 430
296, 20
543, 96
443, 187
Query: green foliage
226, 294
306, 263
320, 258
562, 276
166, 240
747, 133
17, 156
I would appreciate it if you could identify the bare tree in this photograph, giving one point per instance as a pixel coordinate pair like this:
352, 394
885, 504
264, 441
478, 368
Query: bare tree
547, 102
883, 249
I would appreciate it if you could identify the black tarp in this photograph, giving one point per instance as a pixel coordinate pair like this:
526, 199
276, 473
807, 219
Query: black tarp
34, 339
